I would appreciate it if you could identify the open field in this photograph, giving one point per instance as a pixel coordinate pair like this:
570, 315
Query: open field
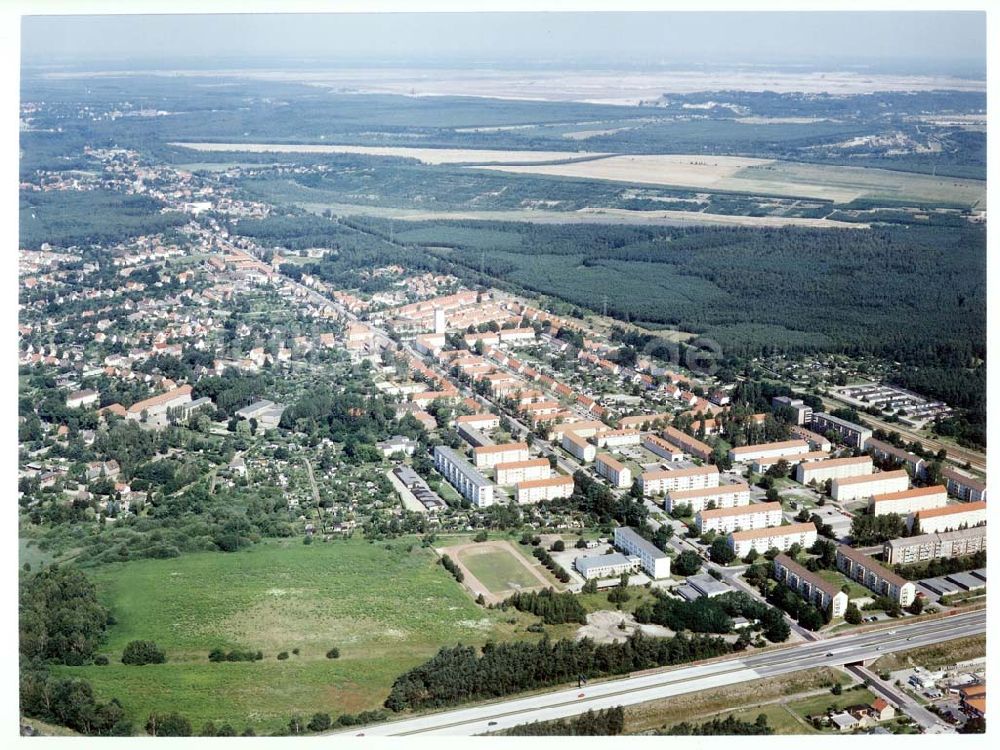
703, 704
771, 177
385, 609
425, 155
938, 655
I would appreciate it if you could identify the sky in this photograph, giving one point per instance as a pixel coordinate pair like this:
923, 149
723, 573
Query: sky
940, 41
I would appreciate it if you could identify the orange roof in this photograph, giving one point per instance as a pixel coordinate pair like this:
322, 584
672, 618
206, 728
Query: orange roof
770, 446
741, 510
184, 390
795, 528
723, 489
550, 482
522, 464
949, 510
937, 489
502, 448
872, 477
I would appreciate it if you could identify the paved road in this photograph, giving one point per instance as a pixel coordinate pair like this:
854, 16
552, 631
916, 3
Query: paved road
838, 651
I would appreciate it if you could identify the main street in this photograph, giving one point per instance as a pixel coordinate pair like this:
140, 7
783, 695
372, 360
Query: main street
833, 652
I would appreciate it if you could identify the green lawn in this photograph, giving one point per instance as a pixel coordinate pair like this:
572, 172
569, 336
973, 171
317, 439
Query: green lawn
820, 703
497, 569
387, 610
779, 718
855, 589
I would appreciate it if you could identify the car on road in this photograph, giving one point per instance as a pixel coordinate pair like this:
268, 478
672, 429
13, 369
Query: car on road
891, 632
581, 695
829, 653
492, 724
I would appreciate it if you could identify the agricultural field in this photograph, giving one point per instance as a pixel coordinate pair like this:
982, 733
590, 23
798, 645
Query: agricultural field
280, 596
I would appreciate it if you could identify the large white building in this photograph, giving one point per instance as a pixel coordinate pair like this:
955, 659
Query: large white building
777, 537
669, 480
618, 438
950, 518
654, 561
158, 405
785, 449
834, 468
537, 490
613, 470
663, 449
723, 496
963, 486
578, 447
853, 488
521, 471
739, 518
923, 547
814, 589
909, 501
761, 465
488, 456
463, 476
606, 566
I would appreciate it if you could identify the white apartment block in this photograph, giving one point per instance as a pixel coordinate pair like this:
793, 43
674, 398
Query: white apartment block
834, 468
780, 538
488, 456
869, 573
537, 490
663, 449
463, 476
906, 501
923, 547
520, 471
739, 518
784, 448
963, 486
618, 438
761, 465
613, 470
853, 488
950, 518
814, 589
606, 566
669, 480
653, 560
579, 447
723, 496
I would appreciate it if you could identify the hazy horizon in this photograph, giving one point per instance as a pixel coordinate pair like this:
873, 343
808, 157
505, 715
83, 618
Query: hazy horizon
916, 42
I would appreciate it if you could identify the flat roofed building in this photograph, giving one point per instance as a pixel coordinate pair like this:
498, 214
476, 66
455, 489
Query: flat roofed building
463, 476
963, 486
723, 496
853, 488
488, 456
613, 470
520, 471
813, 588
950, 517
853, 434
780, 538
654, 561
537, 490
663, 449
761, 465
687, 443
911, 550
738, 518
747, 453
801, 412
909, 501
669, 480
578, 447
159, 404
872, 575
834, 468
605, 566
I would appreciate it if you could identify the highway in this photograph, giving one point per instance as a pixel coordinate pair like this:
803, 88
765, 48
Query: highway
831, 652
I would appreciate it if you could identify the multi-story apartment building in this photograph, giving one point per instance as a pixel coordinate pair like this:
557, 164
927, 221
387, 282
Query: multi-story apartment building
814, 589
816, 441
889, 452
872, 575
613, 470
537, 490
802, 412
777, 537
909, 501
723, 496
833, 468
654, 561
520, 471
761, 465
606, 566
853, 488
963, 486
618, 438
663, 449
949, 518
669, 480
924, 547
686, 443
785, 449
463, 476
488, 456
853, 434
738, 518
578, 447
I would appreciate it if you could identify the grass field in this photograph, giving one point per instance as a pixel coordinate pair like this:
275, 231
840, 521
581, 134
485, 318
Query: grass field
277, 597
939, 655
819, 704
497, 569
856, 590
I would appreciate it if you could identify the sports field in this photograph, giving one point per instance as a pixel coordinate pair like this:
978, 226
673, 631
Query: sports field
385, 609
498, 569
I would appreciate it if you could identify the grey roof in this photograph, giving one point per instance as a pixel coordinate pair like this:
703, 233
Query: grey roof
583, 564
707, 585
940, 585
844, 720
407, 475
823, 416
633, 538
966, 581
470, 472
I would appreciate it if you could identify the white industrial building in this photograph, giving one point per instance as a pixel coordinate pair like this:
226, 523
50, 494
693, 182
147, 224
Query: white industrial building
606, 566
